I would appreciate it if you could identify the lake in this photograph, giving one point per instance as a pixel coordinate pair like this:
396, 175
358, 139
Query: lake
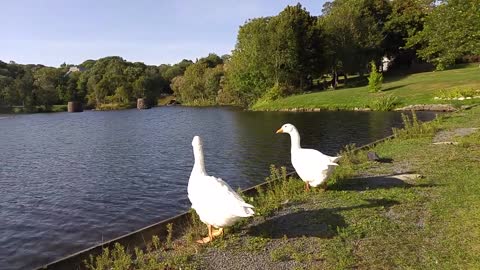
72, 180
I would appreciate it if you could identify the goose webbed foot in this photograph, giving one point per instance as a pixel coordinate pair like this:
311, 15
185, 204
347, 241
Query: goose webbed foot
218, 232
209, 238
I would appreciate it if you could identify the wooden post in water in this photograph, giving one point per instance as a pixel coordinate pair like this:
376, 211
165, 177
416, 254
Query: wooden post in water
75, 106
142, 104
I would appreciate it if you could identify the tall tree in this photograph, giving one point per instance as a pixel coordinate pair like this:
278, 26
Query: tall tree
452, 30
45, 83
354, 33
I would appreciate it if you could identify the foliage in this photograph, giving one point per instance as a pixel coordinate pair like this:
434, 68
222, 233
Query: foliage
451, 30
354, 33
384, 103
413, 128
98, 82
199, 85
284, 49
281, 188
405, 20
457, 92
375, 79
275, 92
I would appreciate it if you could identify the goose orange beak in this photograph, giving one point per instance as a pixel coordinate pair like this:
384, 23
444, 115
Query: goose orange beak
280, 130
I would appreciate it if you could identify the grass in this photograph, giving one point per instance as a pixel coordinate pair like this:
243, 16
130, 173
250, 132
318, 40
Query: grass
165, 100
384, 103
114, 106
431, 222
420, 88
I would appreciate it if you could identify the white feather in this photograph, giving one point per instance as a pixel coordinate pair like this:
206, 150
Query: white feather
311, 165
215, 202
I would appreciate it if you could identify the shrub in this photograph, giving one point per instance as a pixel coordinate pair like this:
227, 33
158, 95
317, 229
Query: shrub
457, 93
375, 79
274, 93
413, 128
384, 103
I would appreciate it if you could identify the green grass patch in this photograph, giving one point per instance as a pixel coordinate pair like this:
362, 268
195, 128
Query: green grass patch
420, 88
114, 106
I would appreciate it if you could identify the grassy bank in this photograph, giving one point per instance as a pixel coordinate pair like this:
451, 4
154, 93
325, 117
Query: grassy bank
415, 208
420, 88
35, 109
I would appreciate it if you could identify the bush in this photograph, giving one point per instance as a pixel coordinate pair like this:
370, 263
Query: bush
375, 79
274, 93
457, 93
384, 103
413, 128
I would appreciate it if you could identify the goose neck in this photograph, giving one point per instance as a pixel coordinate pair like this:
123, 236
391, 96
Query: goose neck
295, 138
199, 166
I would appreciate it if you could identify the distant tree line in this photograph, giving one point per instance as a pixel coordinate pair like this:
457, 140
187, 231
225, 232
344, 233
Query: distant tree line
104, 81
273, 57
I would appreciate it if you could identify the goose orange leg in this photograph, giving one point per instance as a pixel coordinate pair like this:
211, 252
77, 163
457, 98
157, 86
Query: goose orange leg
307, 187
209, 238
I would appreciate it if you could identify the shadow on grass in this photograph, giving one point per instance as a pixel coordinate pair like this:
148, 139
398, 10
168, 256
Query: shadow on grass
394, 87
384, 160
377, 182
322, 223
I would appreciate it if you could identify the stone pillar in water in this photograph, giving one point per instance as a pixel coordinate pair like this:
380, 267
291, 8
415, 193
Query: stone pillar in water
142, 104
75, 106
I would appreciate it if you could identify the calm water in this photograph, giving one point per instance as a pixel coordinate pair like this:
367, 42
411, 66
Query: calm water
68, 181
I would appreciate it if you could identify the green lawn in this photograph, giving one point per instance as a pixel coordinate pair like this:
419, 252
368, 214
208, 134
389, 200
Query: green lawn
420, 88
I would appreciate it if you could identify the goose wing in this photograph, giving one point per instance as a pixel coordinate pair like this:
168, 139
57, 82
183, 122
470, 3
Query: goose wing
213, 192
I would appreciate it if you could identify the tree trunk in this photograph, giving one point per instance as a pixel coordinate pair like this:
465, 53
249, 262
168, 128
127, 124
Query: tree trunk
334, 79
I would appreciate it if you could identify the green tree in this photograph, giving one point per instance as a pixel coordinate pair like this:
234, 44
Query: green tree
450, 31
212, 60
250, 70
375, 79
354, 33
296, 47
405, 20
45, 83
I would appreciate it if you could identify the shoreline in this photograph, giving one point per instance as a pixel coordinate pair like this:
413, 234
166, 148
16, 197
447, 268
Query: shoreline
372, 214
181, 222
415, 107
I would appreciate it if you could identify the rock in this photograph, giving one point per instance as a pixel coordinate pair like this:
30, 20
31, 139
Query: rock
428, 107
461, 98
74, 106
448, 143
372, 156
407, 176
141, 104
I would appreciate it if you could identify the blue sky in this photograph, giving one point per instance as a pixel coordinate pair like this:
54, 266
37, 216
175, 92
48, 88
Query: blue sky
51, 32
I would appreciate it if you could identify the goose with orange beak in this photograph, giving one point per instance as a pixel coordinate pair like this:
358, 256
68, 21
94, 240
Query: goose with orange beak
215, 202
312, 166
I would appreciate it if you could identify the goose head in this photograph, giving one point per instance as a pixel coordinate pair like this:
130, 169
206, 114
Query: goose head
196, 142
287, 128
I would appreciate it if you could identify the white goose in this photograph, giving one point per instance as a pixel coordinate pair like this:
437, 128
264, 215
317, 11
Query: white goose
215, 202
311, 165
